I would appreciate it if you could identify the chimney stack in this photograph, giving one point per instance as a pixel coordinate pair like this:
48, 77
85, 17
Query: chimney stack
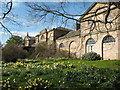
77, 26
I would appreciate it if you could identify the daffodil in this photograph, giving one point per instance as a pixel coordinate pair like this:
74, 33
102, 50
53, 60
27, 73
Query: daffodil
4, 85
4, 80
20, 87
8, 85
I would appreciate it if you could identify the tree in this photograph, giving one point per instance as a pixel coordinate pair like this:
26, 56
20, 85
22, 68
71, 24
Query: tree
0, 45
6, 10
11, 54
15, 40
0, 50
12, 50
6, 15
42, 10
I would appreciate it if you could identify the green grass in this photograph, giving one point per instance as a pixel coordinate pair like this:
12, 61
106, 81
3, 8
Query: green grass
113, 64
62, 73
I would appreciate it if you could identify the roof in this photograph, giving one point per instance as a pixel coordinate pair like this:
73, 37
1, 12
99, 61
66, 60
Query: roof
70, 34
43, 31
30, 38
64, 29
60, 28
37, 35
90, 8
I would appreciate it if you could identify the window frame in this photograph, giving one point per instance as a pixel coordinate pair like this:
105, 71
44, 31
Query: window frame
108, 39
61, 45
42, 37
90, 45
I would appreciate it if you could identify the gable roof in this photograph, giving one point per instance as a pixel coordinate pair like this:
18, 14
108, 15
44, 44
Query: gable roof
61, 29
43, 31
70, 34
87, 11
91, 7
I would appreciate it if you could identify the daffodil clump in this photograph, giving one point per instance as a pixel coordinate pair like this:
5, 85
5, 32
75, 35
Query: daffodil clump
19, 64
63, 65
39, 83
36, 83
56, 73
8, 83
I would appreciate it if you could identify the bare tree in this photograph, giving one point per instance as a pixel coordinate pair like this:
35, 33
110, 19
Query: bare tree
7, 16
6, 10
42, 10
50, 12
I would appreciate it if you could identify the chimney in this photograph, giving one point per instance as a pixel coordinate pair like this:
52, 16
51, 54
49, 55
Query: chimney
77, 26
27, 34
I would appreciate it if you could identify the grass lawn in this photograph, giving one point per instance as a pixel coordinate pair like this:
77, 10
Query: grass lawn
61, 73
113, 64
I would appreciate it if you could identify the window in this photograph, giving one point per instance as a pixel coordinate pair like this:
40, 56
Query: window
108, 39
90, 41
90, 45
90, 48
77, 26
51, 34
42, 37
61, 45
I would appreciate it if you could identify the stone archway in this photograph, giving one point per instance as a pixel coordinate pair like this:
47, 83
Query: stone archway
72, 49
108, 48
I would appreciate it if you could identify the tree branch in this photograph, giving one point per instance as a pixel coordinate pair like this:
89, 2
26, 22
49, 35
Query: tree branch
6, 28
9, 10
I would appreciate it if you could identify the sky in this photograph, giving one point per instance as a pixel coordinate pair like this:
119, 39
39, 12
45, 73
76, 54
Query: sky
32, 26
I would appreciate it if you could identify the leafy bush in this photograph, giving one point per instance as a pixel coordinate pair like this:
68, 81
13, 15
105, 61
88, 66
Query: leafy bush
12, 53
62, 53
92, 56
45, 50
42, 50
12, 50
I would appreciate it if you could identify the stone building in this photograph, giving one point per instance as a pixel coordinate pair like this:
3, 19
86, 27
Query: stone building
93, 34
101, 38
52, 35
29, 41
49, 37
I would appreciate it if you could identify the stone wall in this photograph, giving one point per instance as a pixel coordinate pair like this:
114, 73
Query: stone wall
76, 46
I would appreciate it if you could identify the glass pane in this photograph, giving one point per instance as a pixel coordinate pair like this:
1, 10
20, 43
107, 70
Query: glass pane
108, 39
90, 41
61, 45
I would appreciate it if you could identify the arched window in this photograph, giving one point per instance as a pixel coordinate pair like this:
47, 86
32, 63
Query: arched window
108, 39
61, 45
42, 37
51, 34
90, 41
90, 45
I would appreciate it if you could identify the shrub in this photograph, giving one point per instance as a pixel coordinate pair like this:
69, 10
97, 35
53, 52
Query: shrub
45, 50
12, 53
62, 53
92, 56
